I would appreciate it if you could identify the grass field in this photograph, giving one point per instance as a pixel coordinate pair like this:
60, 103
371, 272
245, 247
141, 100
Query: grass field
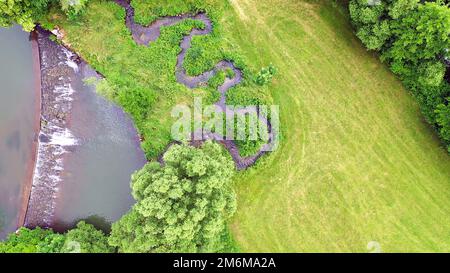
357, 163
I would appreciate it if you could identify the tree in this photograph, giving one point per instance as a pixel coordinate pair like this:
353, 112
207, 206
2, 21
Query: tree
23, 12
373, 19
431, 73
85, 238
443, 119
28, 12
32, 241
421, 36
53, 243
182, 206
371, 29
73, 8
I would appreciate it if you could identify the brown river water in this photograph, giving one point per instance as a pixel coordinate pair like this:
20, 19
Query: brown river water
88, 147
17, 129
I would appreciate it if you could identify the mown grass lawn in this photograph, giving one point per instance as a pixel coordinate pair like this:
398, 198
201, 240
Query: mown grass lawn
357, 163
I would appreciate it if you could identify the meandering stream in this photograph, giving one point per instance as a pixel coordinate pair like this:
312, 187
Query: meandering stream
145, 35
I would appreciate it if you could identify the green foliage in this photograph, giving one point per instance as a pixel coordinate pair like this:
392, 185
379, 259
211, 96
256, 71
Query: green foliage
374, 21
28, 12
53, 243
206, 51
422, 35
229, 73
85, 238
265, 75
32, 241
227, 242
431, 73
443, 119
250, 145
149, 11
182, 206
249, 95
217, 80
372, 31
73, 8
102, 87
23, 12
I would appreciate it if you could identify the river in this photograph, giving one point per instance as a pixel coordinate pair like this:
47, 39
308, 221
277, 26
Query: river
107, 154
17, 118
88, 147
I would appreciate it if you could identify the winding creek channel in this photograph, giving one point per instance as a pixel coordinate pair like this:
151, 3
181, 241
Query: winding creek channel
145, 35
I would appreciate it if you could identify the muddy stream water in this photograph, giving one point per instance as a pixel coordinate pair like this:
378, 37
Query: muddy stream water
17, 123
66, 153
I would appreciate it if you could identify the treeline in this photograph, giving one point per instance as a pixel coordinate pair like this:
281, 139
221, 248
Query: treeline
28, 12
82, 239
183, 206
413, 37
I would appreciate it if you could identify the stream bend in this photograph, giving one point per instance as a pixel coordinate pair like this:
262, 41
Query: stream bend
145, 35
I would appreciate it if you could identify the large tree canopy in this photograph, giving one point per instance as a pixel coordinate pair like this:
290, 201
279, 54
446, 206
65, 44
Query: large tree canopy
23, 12
373, 19
28, 12
182, 206
85, 238
421, 36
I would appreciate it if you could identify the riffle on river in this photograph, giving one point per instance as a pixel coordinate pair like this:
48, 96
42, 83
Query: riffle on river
87, 149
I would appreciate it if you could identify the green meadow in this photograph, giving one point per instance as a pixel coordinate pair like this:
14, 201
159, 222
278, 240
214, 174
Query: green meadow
357, 162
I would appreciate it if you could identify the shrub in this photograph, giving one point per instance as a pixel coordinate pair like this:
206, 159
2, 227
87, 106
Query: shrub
266, 74
73, 8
